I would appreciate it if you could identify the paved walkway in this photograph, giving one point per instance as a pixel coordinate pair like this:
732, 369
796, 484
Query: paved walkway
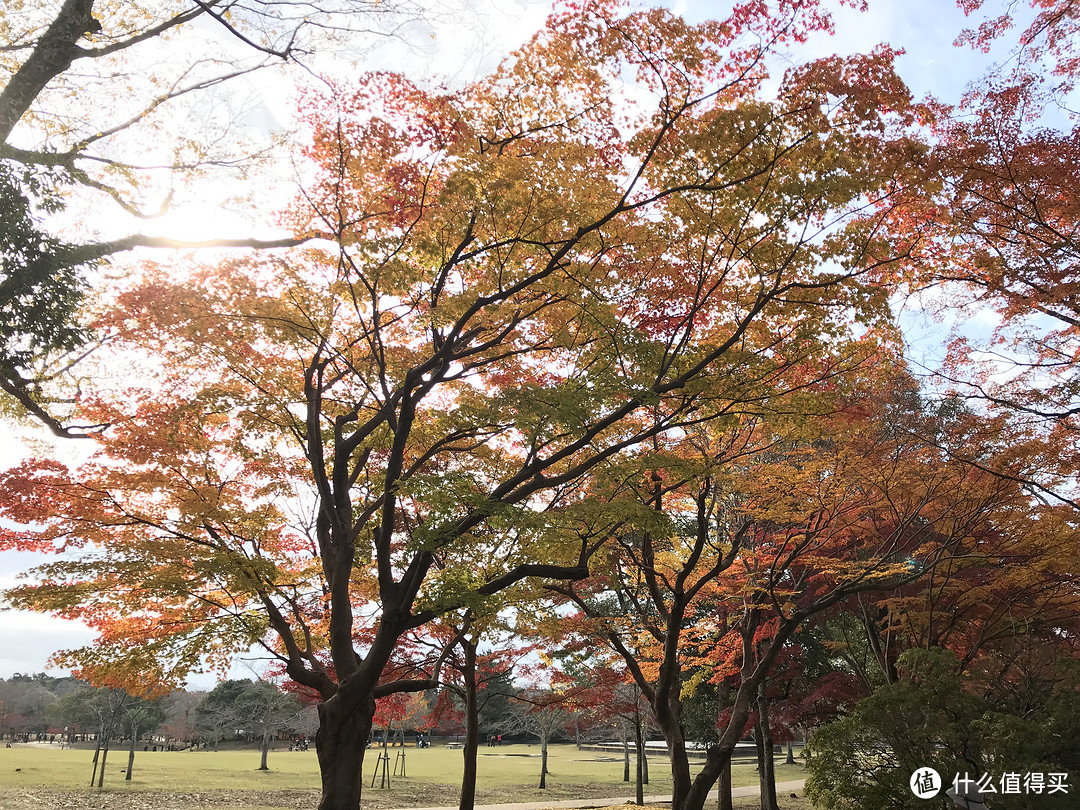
582, 804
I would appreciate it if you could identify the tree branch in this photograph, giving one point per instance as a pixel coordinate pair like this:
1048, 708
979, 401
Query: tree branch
52, 55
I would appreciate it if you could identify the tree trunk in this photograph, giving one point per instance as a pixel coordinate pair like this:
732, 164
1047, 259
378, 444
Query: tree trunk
720, 754
667, 711
472, 727
385, 780
131, 753
54, 53
344, 727
766, 771
97, 760
265, 747
104, 756
543, 761
577, 732
639, 749
790, 753
723, 793
626, 753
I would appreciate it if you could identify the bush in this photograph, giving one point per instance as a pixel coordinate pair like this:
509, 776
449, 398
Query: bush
932, 717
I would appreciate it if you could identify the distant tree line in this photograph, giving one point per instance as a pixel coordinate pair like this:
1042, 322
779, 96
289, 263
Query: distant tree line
66, 711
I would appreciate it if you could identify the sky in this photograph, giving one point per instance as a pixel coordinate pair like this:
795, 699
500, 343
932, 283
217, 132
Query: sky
461, 43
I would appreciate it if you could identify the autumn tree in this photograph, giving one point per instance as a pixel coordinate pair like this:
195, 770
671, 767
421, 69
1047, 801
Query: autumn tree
595, 686
1010, 593
616, 236
1009, 586
611, 700
479, 671
730, 543
1002, 232
815, 687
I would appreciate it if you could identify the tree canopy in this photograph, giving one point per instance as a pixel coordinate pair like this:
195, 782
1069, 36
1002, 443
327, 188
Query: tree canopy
610, 325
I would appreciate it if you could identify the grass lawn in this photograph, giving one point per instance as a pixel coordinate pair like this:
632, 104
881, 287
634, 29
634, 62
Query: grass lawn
32, 777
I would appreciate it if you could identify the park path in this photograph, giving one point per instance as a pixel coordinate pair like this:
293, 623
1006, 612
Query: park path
583, 804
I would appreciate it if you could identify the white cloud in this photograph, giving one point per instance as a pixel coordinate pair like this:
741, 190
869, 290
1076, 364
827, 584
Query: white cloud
28, 639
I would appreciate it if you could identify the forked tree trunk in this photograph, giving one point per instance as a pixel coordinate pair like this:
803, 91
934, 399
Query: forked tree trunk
472, 727
720, 755
344, 727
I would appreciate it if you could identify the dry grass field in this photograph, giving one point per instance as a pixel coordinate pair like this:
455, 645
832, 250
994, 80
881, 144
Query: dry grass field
45, 778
